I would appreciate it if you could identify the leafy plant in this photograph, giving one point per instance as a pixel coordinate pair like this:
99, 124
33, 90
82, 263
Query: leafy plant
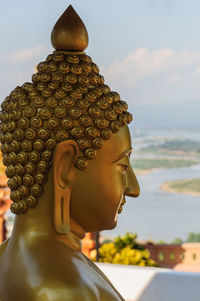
125, 250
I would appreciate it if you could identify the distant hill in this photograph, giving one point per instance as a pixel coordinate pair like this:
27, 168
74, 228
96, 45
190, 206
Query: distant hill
177, 115
185, 146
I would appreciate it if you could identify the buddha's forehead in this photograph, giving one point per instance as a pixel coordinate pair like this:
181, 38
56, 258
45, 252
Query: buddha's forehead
119, 143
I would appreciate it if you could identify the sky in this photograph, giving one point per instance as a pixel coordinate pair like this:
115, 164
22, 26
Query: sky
147, 50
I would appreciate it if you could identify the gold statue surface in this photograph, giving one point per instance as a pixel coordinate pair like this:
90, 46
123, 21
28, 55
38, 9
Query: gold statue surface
66, 145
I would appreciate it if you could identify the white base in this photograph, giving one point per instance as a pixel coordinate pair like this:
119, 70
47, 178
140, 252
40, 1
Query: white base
152, 284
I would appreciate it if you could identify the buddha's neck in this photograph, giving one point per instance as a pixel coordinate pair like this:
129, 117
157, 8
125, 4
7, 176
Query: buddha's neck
39, 222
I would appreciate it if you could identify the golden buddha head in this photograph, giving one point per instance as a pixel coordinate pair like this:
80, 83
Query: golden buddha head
67, 100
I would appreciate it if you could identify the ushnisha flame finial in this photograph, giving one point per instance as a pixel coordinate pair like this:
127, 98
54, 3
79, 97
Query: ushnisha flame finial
69, 32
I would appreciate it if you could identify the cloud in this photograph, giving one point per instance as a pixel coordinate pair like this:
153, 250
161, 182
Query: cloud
156, 76
143, 63
18, 67
26, 54
173, 78
197, 71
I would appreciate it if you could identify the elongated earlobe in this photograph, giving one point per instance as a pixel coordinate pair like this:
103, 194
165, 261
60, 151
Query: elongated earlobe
61, 210
63, 165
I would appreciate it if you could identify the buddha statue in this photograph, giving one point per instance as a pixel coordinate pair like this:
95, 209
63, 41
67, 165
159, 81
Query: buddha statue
66, 146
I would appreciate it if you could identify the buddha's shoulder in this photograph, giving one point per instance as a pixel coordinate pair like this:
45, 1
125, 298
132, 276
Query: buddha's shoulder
60, 290
49, 291
56, 275
46, 258
48, 270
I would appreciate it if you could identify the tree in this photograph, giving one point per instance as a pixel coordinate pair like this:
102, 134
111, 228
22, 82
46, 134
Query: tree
193, 237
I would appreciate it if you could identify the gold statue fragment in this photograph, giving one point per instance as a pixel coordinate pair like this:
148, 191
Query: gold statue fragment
69, 32
66, 145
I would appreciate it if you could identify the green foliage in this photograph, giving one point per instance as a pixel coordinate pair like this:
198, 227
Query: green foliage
185, 145
125, 250
177, 241
193, 237
161, 242
126, 241
145, 164
186, 185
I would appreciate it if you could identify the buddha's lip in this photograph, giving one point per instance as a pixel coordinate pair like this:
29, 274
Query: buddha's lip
123, 202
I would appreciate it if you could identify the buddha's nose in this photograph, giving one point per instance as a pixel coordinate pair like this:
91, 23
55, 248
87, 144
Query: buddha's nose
132, 187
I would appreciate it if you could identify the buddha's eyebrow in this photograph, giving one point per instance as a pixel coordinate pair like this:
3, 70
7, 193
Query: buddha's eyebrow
123, 154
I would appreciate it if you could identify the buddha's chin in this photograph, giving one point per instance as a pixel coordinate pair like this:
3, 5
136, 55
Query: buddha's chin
101, 226
112, 226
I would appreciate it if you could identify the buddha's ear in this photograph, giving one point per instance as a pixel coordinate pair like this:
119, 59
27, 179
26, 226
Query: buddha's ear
65, 156
63, 170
